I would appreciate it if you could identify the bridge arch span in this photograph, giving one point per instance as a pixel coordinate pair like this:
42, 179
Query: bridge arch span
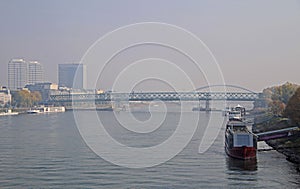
226, 85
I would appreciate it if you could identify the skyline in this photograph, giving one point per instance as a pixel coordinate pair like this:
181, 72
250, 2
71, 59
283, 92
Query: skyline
256, 43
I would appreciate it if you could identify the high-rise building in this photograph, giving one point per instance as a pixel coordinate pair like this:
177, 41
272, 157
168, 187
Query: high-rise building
17, 74
72, 76
21, 73
35, 72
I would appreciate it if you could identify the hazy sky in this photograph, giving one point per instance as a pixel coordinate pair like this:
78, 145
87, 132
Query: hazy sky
256, 43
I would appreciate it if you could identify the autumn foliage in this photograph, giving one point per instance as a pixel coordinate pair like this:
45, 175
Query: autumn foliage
277, 97
292, 110
25, 98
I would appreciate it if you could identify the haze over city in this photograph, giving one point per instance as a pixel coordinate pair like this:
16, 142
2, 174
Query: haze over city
149, 94
256, 43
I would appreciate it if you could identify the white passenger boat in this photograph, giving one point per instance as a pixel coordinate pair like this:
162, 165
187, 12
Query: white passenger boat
46, 109
9, 112
33, 111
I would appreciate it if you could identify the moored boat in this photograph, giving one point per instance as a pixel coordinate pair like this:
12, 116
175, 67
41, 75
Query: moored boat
240, 109
33, 111
46, 109
9, 112
235, 115
240, 143
53, 109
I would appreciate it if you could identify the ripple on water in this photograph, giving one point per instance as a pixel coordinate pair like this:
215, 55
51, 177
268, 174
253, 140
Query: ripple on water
48, 152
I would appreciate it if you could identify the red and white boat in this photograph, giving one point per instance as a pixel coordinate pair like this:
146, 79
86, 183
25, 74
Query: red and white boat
240, 143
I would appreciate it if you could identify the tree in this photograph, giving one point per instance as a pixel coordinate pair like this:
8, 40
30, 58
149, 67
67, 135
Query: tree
22, 98
284, 92
292, 109
277, 97
277, 107
25, 98
36, 97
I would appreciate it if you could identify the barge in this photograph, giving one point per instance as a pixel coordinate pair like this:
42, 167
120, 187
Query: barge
240, 143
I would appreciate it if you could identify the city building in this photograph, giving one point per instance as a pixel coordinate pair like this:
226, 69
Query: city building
72, 76
35, 72
45, 89
5, 96
21, 73
17, 74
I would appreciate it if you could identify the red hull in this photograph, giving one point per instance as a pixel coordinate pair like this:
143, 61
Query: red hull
242, 152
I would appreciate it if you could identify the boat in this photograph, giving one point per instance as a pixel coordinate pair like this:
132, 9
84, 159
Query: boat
9, 112
46, 109
240, 109
53, 109
33, 111
199, 109
236, 113
105, 109
240, 143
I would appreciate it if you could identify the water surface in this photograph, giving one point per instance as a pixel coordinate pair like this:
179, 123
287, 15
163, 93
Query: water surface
48, 151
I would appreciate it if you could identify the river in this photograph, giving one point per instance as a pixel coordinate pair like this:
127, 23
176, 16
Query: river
47, 151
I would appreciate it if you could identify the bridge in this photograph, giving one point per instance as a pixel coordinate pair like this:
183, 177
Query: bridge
196, 95
150, 96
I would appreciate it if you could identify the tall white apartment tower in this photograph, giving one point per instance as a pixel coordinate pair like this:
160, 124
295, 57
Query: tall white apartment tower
35, 72
17, 74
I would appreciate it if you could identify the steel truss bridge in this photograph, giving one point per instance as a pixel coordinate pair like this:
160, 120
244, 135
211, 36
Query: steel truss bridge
197, 95
162, 96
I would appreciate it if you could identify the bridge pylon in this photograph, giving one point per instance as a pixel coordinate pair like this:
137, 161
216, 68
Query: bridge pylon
207, 105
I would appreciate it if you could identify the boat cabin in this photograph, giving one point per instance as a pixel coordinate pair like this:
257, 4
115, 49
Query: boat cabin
234, 115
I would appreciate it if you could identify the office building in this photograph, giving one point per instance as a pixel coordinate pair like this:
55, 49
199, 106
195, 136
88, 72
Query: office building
35, 72
17, 74
72, 76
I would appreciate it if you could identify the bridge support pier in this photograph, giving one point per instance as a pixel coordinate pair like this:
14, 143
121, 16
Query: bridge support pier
207, 105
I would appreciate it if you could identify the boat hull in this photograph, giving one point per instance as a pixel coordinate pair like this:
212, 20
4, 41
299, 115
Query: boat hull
33, 112
9, 114
243, 153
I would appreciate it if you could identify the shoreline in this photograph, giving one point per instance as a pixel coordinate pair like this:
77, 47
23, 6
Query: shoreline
289, 147
289, 153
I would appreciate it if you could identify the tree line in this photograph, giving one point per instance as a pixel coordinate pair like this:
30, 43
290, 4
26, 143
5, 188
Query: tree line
284, 101
25, 98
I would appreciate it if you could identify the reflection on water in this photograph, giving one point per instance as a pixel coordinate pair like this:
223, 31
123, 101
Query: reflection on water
241, 165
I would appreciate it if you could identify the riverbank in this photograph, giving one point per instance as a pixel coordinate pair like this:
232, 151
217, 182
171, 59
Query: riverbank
19, 110
290, 147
